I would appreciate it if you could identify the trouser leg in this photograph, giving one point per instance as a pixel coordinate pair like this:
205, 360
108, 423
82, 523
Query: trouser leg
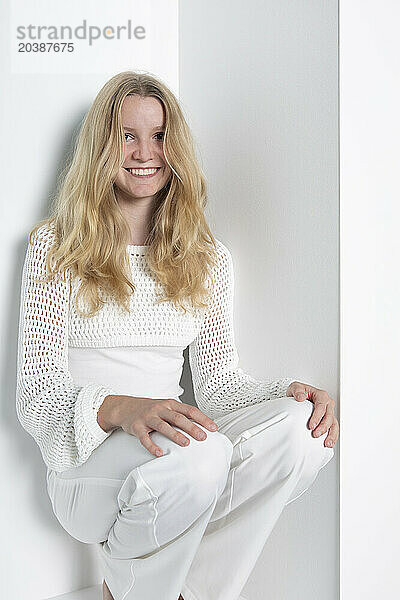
147, 515
157, 574
275, 459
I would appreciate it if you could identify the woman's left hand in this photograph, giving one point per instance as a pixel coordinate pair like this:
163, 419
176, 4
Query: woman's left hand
322, 417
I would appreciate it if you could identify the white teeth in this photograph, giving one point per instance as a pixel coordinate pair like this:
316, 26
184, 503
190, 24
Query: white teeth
143, 171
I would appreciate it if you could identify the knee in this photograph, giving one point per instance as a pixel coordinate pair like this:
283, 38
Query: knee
205, 465
301, 444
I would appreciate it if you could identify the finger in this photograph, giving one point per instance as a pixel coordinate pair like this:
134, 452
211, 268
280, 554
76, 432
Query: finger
165, 428
324, 424
184, 423
192, 412
147, 442
317, 414
333, 434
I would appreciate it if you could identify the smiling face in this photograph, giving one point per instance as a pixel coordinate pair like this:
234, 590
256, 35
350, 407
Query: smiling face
144, 171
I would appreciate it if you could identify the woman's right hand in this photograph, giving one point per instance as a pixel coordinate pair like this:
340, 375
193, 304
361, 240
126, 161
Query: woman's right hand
141, 416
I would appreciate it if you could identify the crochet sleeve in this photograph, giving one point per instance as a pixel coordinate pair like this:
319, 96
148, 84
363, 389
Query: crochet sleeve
60, 415
220, 386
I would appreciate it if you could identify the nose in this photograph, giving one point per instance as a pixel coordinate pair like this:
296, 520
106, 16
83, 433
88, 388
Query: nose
142, 151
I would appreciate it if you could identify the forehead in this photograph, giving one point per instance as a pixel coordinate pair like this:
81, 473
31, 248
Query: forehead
137, 111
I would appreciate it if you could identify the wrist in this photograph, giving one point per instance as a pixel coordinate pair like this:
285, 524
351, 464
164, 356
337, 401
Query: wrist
107, 415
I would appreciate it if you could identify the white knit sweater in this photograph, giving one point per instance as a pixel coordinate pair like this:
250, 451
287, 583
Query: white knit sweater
60, 415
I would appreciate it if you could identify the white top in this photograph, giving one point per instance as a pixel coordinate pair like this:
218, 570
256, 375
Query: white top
58, 395
141, 371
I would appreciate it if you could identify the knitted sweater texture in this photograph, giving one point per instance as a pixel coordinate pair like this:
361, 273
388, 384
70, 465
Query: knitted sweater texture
60, 415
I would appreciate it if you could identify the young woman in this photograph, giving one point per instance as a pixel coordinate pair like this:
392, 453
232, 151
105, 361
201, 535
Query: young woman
117, 282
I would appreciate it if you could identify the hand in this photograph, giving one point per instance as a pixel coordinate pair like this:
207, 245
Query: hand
140, 416
322, 417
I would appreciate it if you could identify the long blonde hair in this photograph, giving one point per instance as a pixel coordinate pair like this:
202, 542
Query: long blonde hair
91, 232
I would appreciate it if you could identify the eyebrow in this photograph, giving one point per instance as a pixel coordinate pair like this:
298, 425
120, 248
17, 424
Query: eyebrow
133, 129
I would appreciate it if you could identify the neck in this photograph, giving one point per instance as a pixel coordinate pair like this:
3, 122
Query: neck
137, 212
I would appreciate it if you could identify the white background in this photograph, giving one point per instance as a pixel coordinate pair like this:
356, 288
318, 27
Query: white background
106, 54
259, 86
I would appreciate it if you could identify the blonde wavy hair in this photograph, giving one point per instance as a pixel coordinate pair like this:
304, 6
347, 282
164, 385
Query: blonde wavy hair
91, 232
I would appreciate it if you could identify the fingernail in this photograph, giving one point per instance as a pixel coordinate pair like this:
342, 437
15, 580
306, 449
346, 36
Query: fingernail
158, 452
214, 427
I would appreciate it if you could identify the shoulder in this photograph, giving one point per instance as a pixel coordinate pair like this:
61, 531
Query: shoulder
40, 240
224, 255
224, 269
221, 247
43, 234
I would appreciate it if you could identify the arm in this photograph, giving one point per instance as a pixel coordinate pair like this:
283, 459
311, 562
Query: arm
60, 415
220, 386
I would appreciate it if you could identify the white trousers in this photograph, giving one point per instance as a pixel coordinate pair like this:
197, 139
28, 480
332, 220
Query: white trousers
195, 520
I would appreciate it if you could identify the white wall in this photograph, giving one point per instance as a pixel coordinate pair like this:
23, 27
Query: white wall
370, 298
259, 83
